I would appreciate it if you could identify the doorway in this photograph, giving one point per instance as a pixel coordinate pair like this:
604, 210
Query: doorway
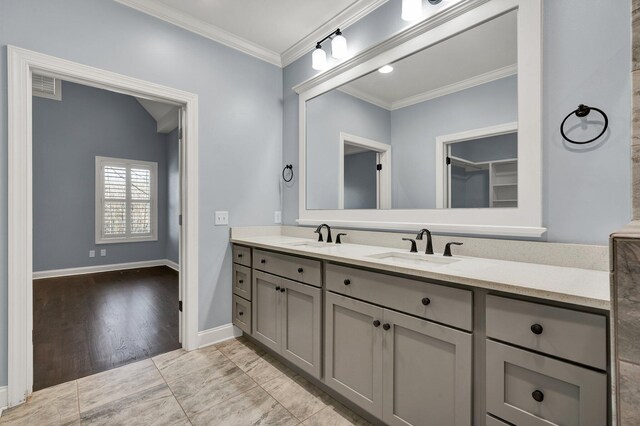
22, 64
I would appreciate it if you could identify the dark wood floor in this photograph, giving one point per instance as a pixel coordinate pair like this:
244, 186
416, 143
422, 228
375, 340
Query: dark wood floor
90, 323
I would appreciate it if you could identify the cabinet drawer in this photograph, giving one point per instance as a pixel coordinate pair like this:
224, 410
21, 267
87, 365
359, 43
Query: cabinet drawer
492, 421
435, 302
292, 267
525, 388
242, 313
573, 335
242, 255
242, 281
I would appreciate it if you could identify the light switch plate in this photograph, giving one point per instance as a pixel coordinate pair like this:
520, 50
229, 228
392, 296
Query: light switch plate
92, 253
277, 217
103, 252
222, 218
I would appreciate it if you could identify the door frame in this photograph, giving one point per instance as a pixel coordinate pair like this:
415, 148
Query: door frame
383, 179
20, 65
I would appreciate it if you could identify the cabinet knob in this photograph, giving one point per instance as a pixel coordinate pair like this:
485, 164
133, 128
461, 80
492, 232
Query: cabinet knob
347, 281
239, 254
536, 329
376, 323
300, 270
241, 313
282, 290
263, 260
240, 281
278, 288
386, 326
537, 395
426, 301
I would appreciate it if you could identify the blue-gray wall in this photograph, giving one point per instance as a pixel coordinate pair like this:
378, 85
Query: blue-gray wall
586, 59
328, 115
501, 147
173, 197
240, 164
360, 181
67, 136
414, 130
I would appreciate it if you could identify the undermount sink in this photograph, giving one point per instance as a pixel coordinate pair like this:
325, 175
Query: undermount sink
414, 259
309, 244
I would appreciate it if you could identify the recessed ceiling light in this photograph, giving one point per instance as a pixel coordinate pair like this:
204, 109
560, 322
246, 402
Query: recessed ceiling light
386, 69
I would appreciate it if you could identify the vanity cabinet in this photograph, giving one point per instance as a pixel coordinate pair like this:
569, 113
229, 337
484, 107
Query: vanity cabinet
402, 369
287, 319
241, 281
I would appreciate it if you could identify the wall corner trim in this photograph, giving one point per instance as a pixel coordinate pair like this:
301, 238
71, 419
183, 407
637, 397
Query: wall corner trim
217, 334
3, 399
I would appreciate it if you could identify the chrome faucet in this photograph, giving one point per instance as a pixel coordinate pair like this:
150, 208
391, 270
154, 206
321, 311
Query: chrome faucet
319, 232
429, 242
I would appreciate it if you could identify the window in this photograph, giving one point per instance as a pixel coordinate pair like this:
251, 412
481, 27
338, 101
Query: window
126, 200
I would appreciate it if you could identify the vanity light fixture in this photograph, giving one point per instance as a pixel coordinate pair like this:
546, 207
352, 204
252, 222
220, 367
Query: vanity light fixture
385, 69
412, 9
338, 50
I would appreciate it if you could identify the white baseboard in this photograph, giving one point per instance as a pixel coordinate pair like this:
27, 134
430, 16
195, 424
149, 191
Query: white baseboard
3, 399
217, 335
104, 268
173, 265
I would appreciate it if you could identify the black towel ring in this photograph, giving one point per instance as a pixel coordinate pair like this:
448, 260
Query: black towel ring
290, 168
583, 111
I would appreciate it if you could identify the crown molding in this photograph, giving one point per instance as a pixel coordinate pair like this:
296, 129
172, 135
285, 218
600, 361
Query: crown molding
364, 96
344, 19
477, 80
197, 26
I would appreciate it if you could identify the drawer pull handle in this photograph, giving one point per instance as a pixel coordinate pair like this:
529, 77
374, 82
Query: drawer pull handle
536, 329
263, 260
278, 288
282, 290
426, 301
538, 396
300, 270
240, 281
376, 323
386, 326
241, 313
347, 281
239, 254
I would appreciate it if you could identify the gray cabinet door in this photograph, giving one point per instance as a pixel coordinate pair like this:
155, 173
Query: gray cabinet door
526, 388
426, 373
266, 309
353, 351
301, 326
242, 281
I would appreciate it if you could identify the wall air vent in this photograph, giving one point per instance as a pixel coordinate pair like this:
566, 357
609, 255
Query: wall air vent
46, 87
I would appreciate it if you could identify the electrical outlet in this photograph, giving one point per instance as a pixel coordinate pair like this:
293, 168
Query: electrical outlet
92, 253
103, 252
277, 217
222, 218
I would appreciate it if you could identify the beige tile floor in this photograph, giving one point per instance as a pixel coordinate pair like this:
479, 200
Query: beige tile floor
232, 383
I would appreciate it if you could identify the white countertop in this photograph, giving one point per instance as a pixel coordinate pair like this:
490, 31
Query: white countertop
582, 287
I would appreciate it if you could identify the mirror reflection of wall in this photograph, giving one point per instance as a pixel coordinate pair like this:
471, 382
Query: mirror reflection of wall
463, 83
360, 180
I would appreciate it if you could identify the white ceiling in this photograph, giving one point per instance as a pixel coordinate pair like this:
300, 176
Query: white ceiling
476, 56
278, 31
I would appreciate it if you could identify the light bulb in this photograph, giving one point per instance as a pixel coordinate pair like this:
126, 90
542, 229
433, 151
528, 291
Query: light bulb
339, 46
319, 59
411, 9
385, 69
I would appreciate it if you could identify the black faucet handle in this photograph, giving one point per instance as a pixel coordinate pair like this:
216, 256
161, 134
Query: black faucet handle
319, 232
447, 248
338, 241
414, 247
